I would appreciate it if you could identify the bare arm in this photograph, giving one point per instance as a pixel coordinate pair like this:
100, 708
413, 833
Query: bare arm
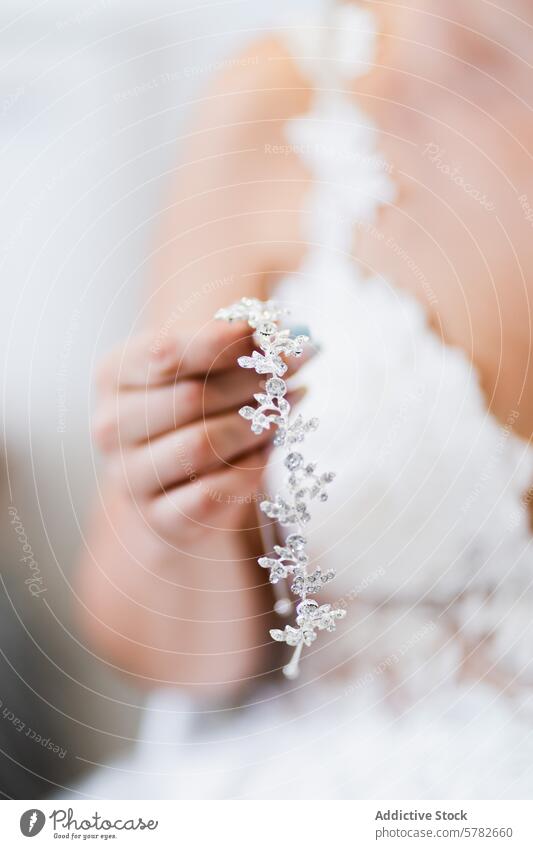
169, 586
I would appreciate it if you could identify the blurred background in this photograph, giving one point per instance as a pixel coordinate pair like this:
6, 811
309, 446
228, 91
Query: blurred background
94, 97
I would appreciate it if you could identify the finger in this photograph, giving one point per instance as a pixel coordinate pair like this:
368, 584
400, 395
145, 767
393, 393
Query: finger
187, 453
217, 500
148, 361
145, 361
131, 417
137, 415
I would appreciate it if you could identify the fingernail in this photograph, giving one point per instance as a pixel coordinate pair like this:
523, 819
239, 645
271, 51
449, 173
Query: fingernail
303, 330
300, 330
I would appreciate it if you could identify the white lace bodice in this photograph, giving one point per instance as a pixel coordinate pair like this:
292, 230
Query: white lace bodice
426, 525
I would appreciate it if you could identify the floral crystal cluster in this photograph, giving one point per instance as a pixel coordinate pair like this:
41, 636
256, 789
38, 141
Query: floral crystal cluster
303, 483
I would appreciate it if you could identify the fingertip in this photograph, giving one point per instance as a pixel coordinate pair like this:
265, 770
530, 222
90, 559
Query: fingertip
233, 331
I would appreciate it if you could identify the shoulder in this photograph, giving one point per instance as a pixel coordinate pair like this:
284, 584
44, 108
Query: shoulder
235, 158
233, 206
251, 81
250, 98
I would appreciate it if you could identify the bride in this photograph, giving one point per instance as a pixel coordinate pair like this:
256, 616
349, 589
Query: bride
370, 167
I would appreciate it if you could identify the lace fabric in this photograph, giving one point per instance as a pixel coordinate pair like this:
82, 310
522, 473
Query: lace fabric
427, 512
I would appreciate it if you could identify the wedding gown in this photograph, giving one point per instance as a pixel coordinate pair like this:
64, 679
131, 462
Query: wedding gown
426, 527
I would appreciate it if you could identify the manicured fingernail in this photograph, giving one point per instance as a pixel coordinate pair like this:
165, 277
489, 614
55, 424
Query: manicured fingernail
300, 330
303, 330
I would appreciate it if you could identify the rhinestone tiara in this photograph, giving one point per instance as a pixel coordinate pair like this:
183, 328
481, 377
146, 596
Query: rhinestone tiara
288, 562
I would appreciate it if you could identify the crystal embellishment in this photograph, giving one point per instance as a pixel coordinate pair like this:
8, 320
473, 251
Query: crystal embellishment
303, 484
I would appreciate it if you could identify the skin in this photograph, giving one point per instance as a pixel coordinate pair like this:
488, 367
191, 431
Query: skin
169, 588
464, 101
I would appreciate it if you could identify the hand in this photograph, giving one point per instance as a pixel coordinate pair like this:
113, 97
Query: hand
177, 505
167, 420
